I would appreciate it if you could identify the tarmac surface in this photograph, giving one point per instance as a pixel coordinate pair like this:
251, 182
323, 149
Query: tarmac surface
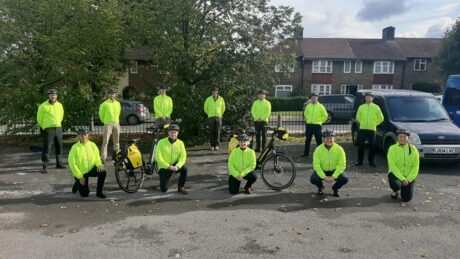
41, 218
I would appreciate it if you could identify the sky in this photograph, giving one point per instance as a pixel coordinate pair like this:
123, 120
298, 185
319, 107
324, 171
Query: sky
367, 18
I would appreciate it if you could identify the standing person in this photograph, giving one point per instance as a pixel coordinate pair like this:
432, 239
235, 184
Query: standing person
214, 107
85, 162
329, 163
163, 107
49, 117
241, 165
403, 166
109, 114
261, 110
315, 115
171, 156
368, 116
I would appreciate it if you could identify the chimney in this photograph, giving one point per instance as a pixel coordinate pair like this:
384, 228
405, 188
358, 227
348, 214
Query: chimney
388, 33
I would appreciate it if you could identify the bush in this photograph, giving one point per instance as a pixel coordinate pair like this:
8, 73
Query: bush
287, 104
427, 87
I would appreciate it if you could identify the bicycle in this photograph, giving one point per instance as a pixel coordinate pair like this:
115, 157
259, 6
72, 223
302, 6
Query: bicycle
277, 169
131, 180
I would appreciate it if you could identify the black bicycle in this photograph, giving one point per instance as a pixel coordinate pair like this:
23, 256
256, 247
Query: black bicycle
131, 180
277, 169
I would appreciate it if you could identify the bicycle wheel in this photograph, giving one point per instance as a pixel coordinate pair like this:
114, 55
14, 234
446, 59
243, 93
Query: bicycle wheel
278, 171
129, 180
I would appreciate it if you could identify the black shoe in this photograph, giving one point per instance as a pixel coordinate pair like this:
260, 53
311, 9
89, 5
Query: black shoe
359, 163
372, 164
304, 155
44, 170
101, 195
394, 195
74, 188
60, 166
336, 193
320, 191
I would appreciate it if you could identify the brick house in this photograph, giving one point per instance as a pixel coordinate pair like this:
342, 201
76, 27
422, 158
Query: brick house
338, 65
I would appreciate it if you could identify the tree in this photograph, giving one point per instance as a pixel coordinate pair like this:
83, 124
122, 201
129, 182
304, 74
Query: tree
449, 57
201, 44
73, 45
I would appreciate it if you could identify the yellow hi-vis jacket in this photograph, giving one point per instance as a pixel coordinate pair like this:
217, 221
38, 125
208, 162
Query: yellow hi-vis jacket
83, 157
315, 114
163, 106
402, 164
241, 162
168, 153
332, 159
109, 111
261, 110
50, 115
369, 116
214, 108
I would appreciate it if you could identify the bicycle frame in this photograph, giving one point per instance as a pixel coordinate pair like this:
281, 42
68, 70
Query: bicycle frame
269, 148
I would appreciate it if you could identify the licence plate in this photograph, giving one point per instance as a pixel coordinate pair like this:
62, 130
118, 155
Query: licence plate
442, 150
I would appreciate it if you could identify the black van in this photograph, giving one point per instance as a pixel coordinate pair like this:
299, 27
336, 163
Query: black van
432, 130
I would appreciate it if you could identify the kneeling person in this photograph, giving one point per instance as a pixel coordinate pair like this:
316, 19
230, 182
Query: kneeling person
241, 165
84, 162
329, 162
170, 156
403, 166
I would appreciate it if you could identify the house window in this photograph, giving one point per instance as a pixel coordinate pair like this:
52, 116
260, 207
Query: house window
283, 90
419, 64
321, 89
382, 87
344, 88
347, 67
133, 67
358, 66
384, 67
279, 68
322, 66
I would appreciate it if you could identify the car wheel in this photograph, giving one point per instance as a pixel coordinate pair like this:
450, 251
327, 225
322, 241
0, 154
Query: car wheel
354, 136
132, 120
329, 118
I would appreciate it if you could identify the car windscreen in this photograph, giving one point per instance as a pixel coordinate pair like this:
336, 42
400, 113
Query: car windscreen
416, 109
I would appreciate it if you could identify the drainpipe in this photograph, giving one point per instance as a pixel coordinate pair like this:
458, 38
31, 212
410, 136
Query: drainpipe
403, 74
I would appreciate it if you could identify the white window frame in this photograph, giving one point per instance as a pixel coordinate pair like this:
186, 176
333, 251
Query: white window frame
347, 67
282, 88
382, 87
384, 67
358, 66
421, 62
133, 68
343, 88
290, 69
321, 89
322, 66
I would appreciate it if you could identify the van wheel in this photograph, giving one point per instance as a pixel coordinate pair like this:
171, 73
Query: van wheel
354, 136
388, 143
329, 118
132, 120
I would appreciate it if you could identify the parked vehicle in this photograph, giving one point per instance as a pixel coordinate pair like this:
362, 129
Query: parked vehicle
451, 98
132, 113
339, 107
432, 131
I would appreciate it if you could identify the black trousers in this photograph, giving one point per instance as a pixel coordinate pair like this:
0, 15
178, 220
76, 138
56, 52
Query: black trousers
84, 189
310, 131
364, 135
340, 181
234, 184
261, 133
50, 136
165, 174
215, 125
407, 192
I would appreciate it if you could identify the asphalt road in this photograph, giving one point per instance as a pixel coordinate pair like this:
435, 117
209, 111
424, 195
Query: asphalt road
41, 218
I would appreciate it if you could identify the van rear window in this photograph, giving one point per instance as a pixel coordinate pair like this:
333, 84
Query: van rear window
452, 97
